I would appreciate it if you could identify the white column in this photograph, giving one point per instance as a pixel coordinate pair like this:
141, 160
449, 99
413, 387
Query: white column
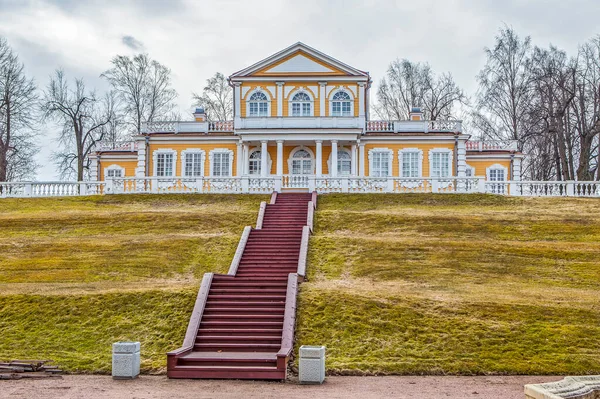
279, 157
333, 170
94, 168
353, 160
322, 87
516, 172
361, 99
319, 160
140, 170
240, 159
245, 160
264, 160
279, 98
361, 159
461, 161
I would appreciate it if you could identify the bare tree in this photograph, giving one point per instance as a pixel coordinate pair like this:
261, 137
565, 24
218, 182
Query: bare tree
411, 84
216, 98
144, 88
17, 115
83, 117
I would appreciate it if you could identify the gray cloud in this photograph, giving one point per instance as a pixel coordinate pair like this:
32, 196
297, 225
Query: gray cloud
132, 43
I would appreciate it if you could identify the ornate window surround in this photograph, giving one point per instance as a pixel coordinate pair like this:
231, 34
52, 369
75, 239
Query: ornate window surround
155, 160
113, 167
352, 99
411, 150
440, 151
220, 151
472, 169
340, 150
255, 149
390, 159
258, 89
494, 167
193, 151
308, 93
294, 151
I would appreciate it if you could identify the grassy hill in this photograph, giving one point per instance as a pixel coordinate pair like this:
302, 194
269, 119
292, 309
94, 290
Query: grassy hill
397, 283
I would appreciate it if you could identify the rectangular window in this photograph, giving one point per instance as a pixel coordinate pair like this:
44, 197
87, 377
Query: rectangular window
346, 108
253, 109
410, 164
306, 109
337, 108
497, 175
440, 164
220, 164
164, 164
296, 109
114, 173
193, 165
262, 109
381, 164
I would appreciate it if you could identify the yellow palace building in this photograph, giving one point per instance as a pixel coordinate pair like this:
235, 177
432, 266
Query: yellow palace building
301, 122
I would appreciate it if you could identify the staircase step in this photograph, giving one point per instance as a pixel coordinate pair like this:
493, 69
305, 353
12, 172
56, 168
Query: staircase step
239, 339
241, 347
211, 303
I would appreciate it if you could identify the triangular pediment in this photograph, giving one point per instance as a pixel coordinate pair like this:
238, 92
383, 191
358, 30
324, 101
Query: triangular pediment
299, 60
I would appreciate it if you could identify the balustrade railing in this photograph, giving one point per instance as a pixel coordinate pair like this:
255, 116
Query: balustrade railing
322, 184
491, 145
453, 126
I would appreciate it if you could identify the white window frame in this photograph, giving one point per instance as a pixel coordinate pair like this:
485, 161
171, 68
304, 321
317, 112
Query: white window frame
155, 161
184, 154
220, 151
390, 160
340, 150
401, 162
111, 168
441, 151
472, 169
312, 159
269, 99
496, 188
352, 99
291, 103
269, 161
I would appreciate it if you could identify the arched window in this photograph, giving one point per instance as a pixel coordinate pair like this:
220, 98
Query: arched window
344, 163
341, 104
258, 104
254, 163
302, 163
301, 104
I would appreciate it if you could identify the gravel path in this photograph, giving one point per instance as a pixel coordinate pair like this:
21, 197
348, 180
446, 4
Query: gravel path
153, 387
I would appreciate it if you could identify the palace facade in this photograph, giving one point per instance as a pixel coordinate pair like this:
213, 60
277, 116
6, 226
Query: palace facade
301, 115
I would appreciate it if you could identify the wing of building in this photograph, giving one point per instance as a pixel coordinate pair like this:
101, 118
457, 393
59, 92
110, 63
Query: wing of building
300, 114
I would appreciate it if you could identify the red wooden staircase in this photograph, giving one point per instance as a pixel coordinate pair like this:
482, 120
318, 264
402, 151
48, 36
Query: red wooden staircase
242, 325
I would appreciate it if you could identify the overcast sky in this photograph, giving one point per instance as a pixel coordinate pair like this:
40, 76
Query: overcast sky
196, 38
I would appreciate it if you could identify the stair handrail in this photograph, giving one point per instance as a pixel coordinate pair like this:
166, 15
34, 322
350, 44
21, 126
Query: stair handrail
310, 215
273, 198
289, 321
194, 324
314, 199
261, 215
303, 252
239, 252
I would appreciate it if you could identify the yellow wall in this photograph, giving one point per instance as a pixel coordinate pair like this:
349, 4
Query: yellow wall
480, 165
180, 147
396, 147
127, 164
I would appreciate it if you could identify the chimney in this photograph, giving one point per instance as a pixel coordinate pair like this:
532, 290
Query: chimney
200, 115
416, 114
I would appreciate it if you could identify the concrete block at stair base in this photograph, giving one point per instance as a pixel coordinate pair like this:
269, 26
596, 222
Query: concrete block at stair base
311, 368
582, 387
126, 360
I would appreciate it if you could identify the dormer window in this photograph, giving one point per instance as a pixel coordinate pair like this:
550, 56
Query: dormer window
301, 105
341, 104
259, 104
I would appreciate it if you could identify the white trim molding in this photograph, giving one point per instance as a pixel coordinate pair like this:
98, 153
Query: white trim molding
294, 151
253, 150
412, 151
220, 151
310, 95
155, 160
472, 169
333, 90
390, 159
441, 151
494, 167
114, 167
267, 94
340, 150
187, 151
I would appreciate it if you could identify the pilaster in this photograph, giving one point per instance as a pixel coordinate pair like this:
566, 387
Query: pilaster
322, 87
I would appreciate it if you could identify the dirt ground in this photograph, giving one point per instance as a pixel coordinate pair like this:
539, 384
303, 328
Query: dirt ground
154, 387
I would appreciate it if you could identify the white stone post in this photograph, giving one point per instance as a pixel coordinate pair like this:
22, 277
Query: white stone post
126, 360
319, 160
333, 170
461, 163
279, 157
311, 367
361, 159
94, 169
264, 160
240, 159
516, 172
140, 170
279, 98
353, 160
322, 86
